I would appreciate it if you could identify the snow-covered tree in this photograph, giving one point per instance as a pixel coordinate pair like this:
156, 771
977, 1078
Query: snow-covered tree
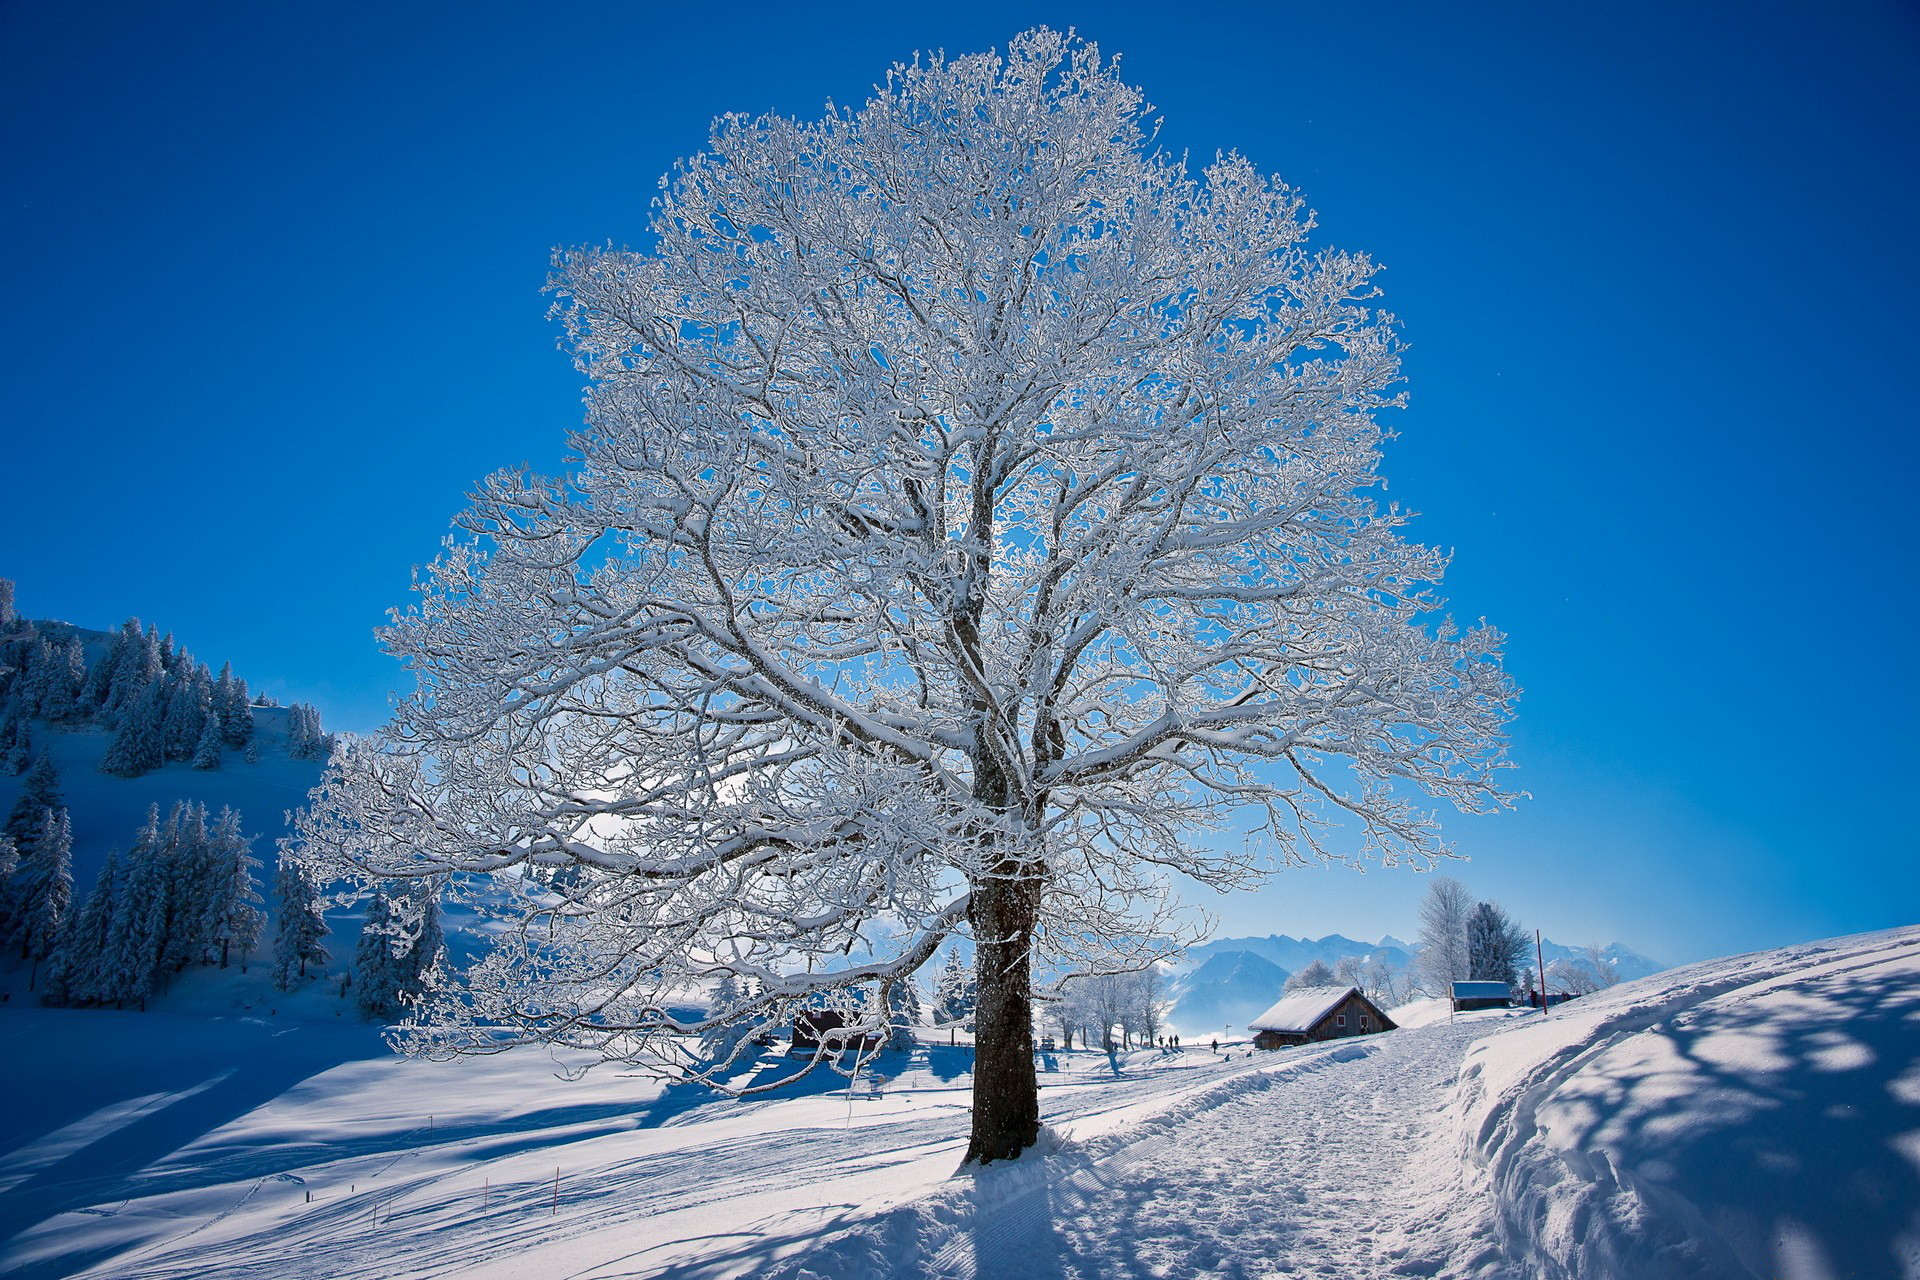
39, 791
1594, 956
300, 924
137, 665
956, 991
47, 881
9, 889
722, 1043
974, 499
16, 738
305, 739
903, 1013
189, 702
230, 704
1314, 974
1496, 945
1442, 958
131, 958
74, 975
140, 743
7, 614
393, 955
206, 753
234, 920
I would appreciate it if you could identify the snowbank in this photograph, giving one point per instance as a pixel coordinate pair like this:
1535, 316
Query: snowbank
1752, 1116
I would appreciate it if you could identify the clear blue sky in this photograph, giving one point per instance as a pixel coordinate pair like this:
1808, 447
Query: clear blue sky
273, 301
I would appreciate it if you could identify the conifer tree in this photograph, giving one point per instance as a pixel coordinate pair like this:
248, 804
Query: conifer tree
58, 674
235, 920
903, 1013
137, 670
9, 891
392, 957
16, 738
49, 890
74, 974
6, 603
189, 701
236, 716
720, 1043
127, 964
139, 745
40, 793
206, 754
183, 940
299, 926
954, 997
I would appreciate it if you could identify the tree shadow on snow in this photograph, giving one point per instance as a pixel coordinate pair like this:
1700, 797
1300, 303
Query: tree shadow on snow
1777, 1153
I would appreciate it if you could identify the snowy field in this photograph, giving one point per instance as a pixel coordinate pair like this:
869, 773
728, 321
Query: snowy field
1758, 1116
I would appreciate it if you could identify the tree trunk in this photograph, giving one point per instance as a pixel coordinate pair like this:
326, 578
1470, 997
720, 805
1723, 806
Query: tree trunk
1006, 1091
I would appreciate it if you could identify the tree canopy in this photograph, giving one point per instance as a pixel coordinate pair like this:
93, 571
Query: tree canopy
975, 500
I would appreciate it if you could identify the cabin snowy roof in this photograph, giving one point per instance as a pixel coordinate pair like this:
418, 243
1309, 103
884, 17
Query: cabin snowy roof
1299, 1010
1482, 991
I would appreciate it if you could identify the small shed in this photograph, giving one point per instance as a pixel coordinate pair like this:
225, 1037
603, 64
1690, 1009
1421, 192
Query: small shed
1317, 1013
1480, 995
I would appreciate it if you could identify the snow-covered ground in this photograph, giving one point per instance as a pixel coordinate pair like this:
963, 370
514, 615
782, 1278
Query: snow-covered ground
1753, 1116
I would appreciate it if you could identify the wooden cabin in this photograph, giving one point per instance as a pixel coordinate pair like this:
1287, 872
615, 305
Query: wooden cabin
1480, 995
812, 1027
1318, 1013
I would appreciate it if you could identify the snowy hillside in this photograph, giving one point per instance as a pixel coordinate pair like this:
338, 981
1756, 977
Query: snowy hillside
107, 811
1751, 1116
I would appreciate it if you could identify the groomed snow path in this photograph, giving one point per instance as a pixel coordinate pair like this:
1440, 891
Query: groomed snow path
1338, 1161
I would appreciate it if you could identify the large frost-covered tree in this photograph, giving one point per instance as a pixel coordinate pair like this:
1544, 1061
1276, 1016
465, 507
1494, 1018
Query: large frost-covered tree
974, 501
1442, 958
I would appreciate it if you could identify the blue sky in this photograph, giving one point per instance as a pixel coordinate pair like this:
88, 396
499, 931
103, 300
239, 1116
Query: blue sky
273, 279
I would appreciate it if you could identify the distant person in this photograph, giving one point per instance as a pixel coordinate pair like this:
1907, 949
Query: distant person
1216, 1044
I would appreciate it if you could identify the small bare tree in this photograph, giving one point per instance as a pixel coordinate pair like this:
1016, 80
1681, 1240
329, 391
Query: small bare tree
973, 501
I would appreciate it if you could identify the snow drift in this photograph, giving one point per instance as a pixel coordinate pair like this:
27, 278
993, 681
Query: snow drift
1756, 1116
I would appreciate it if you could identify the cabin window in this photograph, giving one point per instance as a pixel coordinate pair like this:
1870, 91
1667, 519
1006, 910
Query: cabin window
1340, 1021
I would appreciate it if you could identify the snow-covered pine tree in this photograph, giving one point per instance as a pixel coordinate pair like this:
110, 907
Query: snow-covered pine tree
137, 669
7, 615
98, 689
720, 1043
40, 792
954, 995
206, 753
189, 700
48, 882
190, 885
234, 920
376, 970
58, 671
74, 975
128, 963
1496, 945
139, 745
1313, 974
299, 924
236, 716
9, 889
16, 737
903, 1012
